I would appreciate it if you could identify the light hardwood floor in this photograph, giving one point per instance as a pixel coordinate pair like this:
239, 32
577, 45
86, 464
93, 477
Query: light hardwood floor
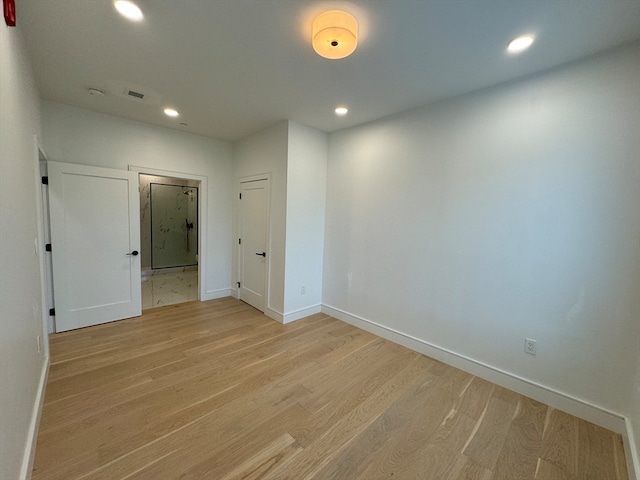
216, 390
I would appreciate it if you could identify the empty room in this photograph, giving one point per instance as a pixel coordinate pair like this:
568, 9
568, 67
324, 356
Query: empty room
342, 239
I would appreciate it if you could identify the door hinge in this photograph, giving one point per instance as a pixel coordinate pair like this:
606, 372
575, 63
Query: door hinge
238, 283
52, 312
239, 241
45, 180
47, 247
240, 195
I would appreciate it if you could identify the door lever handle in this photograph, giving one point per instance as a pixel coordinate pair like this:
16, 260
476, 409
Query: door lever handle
263, 254
134, 253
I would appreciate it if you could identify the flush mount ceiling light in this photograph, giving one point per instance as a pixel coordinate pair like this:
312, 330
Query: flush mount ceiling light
520, 44
341, 111
334, 34
170, 112
128, 10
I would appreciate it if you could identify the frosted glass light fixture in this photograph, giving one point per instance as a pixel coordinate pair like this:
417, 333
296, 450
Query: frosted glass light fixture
334, 34
170, 112
341, 111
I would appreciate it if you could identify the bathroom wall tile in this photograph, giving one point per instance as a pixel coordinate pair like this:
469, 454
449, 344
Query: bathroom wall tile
145, 212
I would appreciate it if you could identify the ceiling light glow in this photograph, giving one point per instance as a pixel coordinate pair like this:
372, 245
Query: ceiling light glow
170, 112
341, 111
520, 44
334, 34
128, 10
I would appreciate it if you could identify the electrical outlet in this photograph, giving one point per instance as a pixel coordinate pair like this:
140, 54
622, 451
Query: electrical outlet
303, 290
530, 346
39, 342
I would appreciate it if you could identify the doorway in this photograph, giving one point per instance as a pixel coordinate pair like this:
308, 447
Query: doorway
169, 225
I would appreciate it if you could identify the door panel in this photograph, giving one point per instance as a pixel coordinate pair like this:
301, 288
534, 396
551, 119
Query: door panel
253, 234
95, 225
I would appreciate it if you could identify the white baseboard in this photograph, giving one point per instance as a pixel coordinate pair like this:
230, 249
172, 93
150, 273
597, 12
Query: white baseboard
234, 293
274, 314
632, 452
213, 294
293, 315
560, 400
32, 436
301, 313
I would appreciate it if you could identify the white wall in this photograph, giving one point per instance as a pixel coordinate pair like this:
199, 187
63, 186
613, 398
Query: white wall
75, 135
504, 214
306, 194
21, 367
266, 152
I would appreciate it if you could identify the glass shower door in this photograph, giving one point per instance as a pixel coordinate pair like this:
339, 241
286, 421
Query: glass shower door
174, 225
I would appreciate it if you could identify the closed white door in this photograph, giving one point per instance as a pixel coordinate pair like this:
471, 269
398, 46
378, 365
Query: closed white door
95, 236
253, 211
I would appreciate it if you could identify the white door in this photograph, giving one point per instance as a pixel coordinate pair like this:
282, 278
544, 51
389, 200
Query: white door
95, 237
253, 210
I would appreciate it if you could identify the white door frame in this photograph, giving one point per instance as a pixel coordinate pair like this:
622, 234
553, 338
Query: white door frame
203, 192
267, 270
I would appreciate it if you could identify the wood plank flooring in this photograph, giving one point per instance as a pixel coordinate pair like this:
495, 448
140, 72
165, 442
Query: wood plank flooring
216, 390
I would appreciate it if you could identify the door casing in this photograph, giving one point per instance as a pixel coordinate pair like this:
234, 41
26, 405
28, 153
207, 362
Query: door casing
203, 249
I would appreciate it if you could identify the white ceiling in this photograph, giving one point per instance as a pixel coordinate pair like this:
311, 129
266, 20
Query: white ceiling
234, 67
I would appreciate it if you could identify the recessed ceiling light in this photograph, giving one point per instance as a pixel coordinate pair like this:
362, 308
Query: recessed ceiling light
520, 44
341, 111
128, 10
170, 112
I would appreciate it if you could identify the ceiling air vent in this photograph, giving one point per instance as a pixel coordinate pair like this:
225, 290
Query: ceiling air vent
138, 93
133, 93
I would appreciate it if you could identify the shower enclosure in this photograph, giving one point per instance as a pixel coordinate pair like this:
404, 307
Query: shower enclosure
174, 225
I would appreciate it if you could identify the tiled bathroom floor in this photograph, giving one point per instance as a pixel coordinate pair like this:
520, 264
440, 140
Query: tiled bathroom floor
168, 288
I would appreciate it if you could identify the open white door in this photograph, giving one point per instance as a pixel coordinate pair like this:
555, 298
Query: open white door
95, 237
253, 211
